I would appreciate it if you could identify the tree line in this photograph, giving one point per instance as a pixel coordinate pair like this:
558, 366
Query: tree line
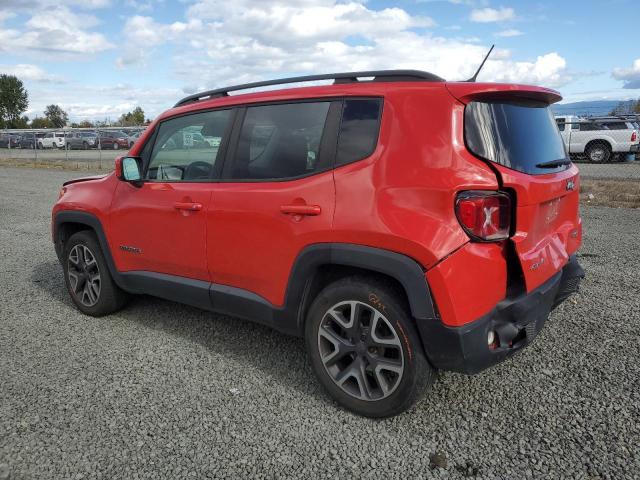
627, 107
14, 101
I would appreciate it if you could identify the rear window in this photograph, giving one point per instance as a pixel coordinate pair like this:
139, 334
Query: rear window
518, 135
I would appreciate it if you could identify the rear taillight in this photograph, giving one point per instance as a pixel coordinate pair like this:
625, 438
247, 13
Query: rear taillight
634, 136
484, 215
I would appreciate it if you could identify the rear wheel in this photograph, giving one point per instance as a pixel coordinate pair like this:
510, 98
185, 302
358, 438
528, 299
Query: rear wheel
115, 145
87, 276
364, 348
598, 152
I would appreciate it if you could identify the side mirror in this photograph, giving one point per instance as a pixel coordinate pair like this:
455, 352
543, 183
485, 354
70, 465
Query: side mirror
128, 169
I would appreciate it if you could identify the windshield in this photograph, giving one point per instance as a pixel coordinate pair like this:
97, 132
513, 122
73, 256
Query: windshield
517, 134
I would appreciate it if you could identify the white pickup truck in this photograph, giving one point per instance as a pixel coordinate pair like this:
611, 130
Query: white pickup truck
598, 140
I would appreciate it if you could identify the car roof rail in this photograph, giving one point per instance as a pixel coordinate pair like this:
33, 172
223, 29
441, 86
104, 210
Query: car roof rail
338, 78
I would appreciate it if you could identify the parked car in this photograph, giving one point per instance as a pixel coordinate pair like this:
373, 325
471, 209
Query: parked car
82, 140
598, 140
9, 140
400, 225
112, 139
52, 140
30, 139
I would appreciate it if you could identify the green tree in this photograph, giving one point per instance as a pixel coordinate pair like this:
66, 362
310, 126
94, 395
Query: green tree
14, 99
22, 122
134, 118
85, 124
56, 116
40, 122
636, 107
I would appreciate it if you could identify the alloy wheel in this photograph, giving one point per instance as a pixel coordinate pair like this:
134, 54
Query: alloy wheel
360, 350
84, 275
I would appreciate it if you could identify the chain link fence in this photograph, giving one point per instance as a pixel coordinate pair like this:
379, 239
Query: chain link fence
72, 148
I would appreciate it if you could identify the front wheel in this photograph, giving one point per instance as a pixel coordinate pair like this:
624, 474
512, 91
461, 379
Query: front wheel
364, 348
87, 276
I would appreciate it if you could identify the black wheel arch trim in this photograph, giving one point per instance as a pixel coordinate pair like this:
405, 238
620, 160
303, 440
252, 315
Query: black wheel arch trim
91, 221
402, 268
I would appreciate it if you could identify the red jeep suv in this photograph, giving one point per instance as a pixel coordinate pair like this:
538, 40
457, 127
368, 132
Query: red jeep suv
398, 222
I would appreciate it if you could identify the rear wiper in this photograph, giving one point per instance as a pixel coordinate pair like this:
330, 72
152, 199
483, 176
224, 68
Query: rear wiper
554, 163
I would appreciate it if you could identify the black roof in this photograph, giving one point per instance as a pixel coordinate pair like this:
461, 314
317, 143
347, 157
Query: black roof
345, 77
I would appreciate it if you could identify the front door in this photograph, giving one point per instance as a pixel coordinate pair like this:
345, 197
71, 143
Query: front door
276, 196
160, 226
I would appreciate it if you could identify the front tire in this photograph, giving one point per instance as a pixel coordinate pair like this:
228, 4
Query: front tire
87, 276
364, 348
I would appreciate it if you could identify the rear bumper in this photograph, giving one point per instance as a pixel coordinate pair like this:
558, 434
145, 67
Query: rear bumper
516, 322
634, 148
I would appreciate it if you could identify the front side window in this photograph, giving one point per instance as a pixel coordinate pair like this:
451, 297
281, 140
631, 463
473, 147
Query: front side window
358, 129
186, 148
280, 141
561, 124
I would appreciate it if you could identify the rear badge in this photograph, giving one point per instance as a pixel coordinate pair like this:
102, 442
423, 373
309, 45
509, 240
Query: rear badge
570, 185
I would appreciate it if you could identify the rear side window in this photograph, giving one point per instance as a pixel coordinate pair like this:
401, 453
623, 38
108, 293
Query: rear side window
518, 135
359, 129
280, 141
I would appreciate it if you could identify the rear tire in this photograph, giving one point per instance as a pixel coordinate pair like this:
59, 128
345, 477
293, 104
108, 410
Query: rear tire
364, 348
598, 152
87, 276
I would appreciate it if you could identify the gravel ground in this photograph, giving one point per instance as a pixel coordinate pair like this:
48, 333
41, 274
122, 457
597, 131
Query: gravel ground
161, 390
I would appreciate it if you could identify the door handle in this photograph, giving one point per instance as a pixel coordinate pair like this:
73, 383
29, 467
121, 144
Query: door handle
310, 210
189, 206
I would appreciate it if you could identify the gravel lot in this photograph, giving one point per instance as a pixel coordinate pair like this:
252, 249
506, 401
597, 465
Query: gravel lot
161, 390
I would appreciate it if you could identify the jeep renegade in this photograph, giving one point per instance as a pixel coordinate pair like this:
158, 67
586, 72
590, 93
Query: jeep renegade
398, 222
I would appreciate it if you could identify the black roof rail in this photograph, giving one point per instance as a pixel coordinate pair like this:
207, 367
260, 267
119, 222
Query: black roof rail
338, 78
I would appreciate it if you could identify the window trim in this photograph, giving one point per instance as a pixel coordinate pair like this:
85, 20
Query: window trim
216, 171
328, 140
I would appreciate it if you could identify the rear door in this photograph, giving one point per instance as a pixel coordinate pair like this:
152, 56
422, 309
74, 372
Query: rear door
276, 196
521, 140
160, 226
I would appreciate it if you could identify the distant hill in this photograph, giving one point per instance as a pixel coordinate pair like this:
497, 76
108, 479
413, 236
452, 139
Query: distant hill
598, 107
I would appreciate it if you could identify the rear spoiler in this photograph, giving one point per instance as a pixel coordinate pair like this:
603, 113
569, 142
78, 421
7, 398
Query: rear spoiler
466, 92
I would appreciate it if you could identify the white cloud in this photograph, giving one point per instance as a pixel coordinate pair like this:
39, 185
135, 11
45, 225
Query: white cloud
630, 76
30, 72
58, 31
549, 70
247, 40
488, 15
512, 32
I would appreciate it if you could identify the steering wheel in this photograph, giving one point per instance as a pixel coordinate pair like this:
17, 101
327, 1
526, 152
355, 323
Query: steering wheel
197, 170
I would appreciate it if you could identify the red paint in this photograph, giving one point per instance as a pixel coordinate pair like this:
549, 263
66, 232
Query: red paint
402, 198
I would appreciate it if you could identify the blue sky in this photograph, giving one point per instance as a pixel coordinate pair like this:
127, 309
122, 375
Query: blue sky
100, 58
